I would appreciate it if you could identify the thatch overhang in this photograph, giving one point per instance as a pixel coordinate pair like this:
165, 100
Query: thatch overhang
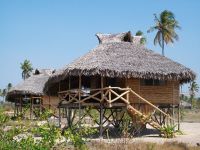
32, 86
121, 55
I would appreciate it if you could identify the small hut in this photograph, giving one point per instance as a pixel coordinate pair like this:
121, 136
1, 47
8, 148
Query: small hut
121, 75
29, 93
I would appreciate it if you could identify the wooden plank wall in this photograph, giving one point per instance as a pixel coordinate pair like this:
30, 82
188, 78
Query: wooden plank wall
166, 94
52, 101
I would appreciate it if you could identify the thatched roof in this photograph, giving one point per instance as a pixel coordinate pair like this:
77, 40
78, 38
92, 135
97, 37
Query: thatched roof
31, 86
121, 55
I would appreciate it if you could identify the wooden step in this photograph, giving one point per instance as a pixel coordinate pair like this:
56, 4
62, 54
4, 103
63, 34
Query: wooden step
145, 119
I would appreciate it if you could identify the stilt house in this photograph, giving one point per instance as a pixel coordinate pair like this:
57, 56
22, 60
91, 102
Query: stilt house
121, 74
30, 93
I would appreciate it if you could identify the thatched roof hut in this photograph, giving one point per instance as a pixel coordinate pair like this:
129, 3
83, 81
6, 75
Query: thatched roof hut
33, 86
121, 55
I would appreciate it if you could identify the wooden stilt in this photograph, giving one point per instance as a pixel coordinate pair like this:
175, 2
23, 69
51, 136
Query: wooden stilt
15, 109
30, 108
101, 122
40, 105
79, 98
127, 95
109, 98
20, 105
68, 109
173, 105
178, 117
49, 102
59, 121
101, 112
173, 122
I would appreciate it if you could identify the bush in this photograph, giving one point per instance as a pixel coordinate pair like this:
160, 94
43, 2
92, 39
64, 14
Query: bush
3, 118
168, 131
76, 136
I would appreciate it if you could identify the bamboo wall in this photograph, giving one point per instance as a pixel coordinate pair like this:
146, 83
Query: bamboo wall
52, 100
163, 94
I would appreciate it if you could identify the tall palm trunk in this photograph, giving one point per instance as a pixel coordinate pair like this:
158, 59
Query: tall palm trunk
163, 45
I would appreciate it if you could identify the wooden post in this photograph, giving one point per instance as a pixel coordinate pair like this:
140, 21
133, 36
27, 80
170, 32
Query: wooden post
49, 101
101, 112
127, 95
173, 105
101, 88
109, 98
40, 105
68, 114
79, 98
59, 86
178, 117
17, 107
31, 108
59, 121
32, 105
21, 105
101, 122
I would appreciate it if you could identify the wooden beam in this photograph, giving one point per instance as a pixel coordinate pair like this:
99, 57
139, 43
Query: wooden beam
179, 117
79, 98
101, 111
31, 108
59, 117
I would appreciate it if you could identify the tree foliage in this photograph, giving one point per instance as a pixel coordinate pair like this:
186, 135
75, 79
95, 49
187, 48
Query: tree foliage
193, 89
143, 39
165, 25
27, 68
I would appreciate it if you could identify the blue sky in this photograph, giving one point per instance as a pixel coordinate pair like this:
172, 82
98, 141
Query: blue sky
52, 33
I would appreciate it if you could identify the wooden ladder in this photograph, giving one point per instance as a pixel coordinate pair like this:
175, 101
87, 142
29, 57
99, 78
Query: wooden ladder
143, 118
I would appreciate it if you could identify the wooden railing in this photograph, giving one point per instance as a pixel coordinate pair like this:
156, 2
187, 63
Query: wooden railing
109, 95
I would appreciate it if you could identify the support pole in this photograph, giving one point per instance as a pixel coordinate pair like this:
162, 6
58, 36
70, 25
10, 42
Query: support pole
15, 109
79, 98
101, 112
173, 105
40, 105
69, 122
101, 122
21, 105
178, 117
59, 121
109, 98
30, 108
49, 101
173, 114
127, 95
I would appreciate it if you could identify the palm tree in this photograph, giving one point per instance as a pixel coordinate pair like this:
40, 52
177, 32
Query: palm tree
143, 40
0, 93
193, 89
26, 67
9, 86
4, 92
165, 27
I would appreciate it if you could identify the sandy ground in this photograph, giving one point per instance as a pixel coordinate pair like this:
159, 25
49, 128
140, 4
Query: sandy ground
191, 136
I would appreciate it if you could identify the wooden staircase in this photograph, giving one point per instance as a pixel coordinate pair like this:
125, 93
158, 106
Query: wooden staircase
143, 118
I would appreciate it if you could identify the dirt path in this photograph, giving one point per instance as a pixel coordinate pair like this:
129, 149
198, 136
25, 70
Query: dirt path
191, 136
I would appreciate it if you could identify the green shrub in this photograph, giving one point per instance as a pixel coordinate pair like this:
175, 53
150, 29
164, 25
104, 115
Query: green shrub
168, 131
48, 133
76, 136
3, 118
